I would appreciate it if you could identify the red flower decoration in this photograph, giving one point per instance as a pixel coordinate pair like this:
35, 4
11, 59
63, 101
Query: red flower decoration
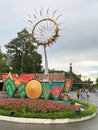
48, 91
56, 91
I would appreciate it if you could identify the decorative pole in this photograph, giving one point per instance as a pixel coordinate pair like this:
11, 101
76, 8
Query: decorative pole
45, 30
46, 61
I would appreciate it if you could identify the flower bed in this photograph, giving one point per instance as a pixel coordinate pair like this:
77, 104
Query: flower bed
40, 108
37, 105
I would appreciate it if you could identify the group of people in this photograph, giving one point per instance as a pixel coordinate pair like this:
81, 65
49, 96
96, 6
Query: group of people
82, 94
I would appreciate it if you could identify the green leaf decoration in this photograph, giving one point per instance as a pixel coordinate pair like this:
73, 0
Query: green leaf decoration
21, 90
10, 87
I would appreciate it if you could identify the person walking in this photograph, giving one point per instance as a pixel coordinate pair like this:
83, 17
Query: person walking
78, 93
87, 94
81, 93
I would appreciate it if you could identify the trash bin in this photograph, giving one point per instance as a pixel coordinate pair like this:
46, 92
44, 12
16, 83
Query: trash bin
77, 111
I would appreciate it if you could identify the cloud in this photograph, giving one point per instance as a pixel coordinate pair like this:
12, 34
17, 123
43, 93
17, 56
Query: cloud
78, 42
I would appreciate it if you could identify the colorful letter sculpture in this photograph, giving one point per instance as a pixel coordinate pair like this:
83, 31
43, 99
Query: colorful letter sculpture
55, 89
28, 86
12, 83
68, 85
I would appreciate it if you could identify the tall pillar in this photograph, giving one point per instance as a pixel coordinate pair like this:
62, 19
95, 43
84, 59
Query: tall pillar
46, 61
70, 70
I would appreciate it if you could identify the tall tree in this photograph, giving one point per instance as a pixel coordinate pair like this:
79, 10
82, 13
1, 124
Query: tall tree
97, 81
22, 54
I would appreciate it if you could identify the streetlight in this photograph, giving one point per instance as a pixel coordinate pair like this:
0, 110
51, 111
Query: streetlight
22, 57
70, 70
22, 53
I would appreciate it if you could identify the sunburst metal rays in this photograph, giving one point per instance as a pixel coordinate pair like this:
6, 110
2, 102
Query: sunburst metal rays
45, 29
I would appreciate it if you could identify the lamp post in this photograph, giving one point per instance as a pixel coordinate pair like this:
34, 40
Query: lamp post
22, 53
21, 62
71, 70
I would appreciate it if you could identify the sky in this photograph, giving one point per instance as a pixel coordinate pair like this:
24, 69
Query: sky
78, 41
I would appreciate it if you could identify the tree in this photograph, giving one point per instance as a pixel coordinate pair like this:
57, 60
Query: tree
3, 65
22, 55
97, 81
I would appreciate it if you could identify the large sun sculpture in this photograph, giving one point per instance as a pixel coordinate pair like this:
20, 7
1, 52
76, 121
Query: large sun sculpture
45, 30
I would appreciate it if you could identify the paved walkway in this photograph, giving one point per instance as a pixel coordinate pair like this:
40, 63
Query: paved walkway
93, 98
91, 124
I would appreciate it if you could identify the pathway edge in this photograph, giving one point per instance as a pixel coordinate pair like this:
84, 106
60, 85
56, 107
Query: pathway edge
44, 121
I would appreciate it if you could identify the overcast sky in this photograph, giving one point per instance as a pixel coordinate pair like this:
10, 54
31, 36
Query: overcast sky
78, 42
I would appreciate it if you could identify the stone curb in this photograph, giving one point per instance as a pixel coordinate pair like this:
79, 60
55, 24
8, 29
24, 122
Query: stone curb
43, 121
